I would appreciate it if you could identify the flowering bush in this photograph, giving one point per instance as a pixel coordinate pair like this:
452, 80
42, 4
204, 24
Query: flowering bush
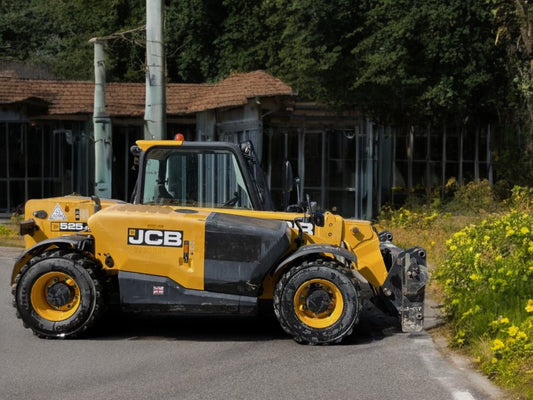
474, 197
521, 199
6, 232
487, 282
484, 270
489, 270
510, 356
404, 217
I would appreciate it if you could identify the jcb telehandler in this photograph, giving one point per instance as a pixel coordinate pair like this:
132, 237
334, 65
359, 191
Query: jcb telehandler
200, 237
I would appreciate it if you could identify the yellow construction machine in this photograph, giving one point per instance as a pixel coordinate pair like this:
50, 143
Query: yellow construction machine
200, 236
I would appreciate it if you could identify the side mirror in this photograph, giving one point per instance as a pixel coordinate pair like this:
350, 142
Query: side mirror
135, 151
97, 203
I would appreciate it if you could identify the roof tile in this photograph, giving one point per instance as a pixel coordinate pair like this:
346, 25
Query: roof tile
127, 99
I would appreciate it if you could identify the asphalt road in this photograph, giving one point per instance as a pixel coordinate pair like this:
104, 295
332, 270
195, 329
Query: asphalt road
131, 357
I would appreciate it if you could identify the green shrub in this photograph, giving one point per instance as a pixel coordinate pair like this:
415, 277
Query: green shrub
483, 249
488, 271
488, 294
474, 197
6, 232
404, 217
9, 235
505, 353
521, 199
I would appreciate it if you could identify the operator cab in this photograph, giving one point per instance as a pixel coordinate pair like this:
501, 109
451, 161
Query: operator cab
199, 174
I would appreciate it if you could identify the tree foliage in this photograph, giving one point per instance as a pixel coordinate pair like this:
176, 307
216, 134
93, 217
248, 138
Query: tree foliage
57, 32
427, 59
401, 61
192, 27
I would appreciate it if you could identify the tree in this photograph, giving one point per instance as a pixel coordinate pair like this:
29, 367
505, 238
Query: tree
514, 22
27, 32
314, 47
56, 33
80, 22
192, 27
247, 39
427, 60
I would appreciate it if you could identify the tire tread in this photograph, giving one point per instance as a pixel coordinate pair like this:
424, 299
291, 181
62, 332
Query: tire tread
82, 260
297, 334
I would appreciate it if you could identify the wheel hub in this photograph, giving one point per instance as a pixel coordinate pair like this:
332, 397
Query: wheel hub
59, 294
55, 296
318, 301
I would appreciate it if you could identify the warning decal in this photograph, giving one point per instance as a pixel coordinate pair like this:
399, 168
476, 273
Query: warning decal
57, 214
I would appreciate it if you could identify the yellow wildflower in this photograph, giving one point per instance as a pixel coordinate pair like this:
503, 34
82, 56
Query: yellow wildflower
475, 277
497, 344
512, 330
500, 321
529, 307
524, 230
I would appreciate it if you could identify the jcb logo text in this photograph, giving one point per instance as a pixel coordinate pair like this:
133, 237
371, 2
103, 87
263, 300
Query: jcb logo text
306, 227
154, 237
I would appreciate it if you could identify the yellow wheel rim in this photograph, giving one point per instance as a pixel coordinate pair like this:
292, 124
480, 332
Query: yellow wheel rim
331, 303
43, 289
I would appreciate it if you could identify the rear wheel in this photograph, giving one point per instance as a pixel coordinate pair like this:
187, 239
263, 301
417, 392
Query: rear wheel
317, 302
59, 294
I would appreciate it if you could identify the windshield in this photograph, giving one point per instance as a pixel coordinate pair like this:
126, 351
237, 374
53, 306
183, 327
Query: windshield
194, 178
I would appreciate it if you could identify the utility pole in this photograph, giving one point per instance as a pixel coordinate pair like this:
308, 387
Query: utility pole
103, 151
155, 106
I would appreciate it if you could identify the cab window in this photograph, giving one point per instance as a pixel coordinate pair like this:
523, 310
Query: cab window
194, 178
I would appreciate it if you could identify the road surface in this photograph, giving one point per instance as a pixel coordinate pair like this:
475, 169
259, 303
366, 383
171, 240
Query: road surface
132, 357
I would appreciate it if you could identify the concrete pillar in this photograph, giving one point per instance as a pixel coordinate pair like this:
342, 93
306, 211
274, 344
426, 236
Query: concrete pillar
155, 107
103, 150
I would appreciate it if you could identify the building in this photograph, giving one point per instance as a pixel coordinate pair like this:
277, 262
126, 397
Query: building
344, 161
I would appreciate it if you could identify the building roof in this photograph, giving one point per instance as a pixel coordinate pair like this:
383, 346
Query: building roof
127, 99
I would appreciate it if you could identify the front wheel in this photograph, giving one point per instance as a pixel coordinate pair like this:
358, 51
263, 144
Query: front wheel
59, 294
317, 302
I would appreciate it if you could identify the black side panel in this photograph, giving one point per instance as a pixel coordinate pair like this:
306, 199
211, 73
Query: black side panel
152, 293
240, 251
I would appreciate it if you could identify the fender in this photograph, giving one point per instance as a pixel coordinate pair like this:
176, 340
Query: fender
320, 249
80, 242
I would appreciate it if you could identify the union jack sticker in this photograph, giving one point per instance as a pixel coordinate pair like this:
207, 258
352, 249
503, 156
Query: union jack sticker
158, 290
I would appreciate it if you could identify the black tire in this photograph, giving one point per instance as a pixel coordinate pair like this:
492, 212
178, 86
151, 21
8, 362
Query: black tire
317, 302
59, 294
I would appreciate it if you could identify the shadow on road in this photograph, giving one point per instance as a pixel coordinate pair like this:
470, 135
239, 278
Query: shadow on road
374, 325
